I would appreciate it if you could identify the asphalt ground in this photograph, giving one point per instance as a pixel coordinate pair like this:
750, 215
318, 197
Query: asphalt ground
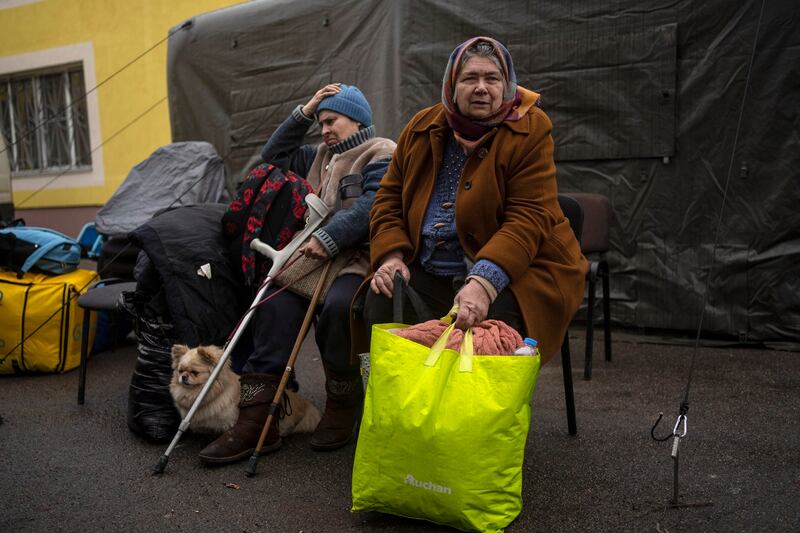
66, 467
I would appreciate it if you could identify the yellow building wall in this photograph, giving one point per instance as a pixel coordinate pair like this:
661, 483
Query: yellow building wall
119, 31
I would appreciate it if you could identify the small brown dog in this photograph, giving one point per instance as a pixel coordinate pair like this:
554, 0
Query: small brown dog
220, 408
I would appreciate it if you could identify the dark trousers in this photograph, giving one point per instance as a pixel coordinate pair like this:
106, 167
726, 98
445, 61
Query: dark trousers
277, 323
438, 293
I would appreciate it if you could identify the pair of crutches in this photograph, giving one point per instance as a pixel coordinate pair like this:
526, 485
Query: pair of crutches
317, 211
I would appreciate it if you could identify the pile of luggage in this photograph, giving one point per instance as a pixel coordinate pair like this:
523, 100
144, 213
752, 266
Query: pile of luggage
159, 227
40, 323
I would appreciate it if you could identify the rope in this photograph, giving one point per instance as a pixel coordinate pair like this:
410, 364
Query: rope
107, 265
33, 130
684, 405
227, 154
680, 429
275, 293
123, 128
684, 408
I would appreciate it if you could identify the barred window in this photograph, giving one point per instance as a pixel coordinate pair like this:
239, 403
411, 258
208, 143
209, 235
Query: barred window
44, 119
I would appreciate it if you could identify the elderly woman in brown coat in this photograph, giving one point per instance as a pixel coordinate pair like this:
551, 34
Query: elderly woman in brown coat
468, 211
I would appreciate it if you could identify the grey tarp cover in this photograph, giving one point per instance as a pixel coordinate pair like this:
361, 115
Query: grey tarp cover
186, 173
644, 96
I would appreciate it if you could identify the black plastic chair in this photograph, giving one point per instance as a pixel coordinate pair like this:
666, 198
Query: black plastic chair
103, 296
574, 213
594, 245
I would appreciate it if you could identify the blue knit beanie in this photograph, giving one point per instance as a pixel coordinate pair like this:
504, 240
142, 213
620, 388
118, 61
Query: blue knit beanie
350, 102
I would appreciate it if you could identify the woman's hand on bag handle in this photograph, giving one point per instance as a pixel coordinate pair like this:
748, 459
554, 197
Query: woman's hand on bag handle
383, 279
313, 249
329, 90
473, 305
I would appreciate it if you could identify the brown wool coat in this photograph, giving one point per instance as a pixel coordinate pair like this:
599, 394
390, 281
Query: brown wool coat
506, 211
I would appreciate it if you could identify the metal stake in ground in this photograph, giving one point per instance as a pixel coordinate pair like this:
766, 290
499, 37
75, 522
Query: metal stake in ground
679, 431
252, 465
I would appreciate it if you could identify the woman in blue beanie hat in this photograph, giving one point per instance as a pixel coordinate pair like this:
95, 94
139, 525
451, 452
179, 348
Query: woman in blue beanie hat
347, 100
345, 171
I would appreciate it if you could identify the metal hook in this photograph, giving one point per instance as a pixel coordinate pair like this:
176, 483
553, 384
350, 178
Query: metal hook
653, 429
675, 432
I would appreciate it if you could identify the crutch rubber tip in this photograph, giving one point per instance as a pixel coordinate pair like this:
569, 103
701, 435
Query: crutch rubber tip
160, 466
250, 471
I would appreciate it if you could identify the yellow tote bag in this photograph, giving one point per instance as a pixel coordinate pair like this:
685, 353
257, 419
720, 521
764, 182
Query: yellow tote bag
443, 433
40, 321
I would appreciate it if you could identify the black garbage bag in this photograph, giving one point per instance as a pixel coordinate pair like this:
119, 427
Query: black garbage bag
151, 411
186, 293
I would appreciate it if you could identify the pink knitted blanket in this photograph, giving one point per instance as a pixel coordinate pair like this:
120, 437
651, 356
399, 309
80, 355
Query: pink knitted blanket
491, 337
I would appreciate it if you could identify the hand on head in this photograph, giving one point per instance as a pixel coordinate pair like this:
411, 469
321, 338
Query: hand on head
383, 279
473, 305
329, 90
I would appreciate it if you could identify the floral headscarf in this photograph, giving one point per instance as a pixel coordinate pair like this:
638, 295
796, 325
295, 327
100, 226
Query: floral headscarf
469, 131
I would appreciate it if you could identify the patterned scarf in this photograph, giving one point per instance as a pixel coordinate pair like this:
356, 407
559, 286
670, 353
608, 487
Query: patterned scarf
469, 132
260, 210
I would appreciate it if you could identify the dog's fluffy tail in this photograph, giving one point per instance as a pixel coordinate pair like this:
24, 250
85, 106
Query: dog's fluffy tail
304, 418
310, 421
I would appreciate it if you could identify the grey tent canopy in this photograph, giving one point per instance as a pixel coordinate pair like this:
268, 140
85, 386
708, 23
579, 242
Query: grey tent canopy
178, 174
644, 96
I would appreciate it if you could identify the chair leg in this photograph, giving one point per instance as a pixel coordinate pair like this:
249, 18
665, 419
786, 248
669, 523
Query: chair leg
587, 365
84, 355
606, 308
569, 395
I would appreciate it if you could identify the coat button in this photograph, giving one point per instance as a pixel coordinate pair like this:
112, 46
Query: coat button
467, 185
438, 225
483, 152
447, 205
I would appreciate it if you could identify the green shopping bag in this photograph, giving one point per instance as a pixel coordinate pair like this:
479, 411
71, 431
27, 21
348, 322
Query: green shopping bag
443, 433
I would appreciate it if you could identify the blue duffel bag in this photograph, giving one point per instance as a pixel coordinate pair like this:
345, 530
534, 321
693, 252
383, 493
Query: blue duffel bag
24, 248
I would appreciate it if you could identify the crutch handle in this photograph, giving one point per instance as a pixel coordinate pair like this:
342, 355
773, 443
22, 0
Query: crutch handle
317, 211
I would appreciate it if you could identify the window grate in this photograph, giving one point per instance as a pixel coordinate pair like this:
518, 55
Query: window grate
44, 118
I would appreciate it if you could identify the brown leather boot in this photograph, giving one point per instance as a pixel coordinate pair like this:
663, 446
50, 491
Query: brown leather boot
342, 411
239, 442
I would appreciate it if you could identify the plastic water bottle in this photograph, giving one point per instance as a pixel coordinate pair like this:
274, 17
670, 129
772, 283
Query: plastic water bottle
528, 347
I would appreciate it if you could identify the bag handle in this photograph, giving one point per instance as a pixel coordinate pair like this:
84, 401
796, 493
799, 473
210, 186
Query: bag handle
38, 254
403, 290
466, 351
